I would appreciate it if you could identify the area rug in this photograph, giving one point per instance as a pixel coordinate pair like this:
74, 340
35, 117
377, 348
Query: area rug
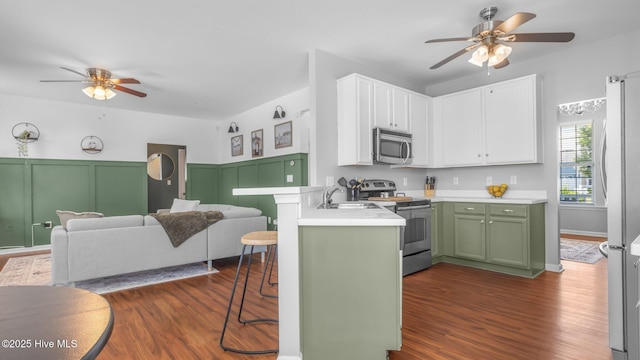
580, 250
36, 270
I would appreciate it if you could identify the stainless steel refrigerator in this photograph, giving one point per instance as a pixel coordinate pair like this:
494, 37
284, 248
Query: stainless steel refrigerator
623, 211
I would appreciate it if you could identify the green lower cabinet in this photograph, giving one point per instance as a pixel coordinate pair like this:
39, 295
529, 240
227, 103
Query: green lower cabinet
436, 232
469, 237
507, 238
508, 241
350, 292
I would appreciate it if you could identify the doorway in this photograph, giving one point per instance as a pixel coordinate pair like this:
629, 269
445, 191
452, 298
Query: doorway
166, 175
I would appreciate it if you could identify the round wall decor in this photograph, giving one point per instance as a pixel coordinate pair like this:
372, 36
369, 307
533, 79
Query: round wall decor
91, 144
25, 132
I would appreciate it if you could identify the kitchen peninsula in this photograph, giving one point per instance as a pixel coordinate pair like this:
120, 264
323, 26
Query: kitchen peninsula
339, 278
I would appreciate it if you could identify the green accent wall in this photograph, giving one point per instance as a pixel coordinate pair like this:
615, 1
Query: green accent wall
264, 172
32, 190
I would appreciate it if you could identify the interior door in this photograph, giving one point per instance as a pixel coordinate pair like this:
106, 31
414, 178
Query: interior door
163, 175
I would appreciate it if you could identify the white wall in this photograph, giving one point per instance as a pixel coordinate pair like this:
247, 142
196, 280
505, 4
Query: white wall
324, 70
261, 117
568, 75
125, 133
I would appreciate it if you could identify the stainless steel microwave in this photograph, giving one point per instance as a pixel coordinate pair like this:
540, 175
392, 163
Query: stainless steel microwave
391, 147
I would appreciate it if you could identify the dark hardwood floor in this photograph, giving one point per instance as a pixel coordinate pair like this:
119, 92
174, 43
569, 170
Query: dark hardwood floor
449, 312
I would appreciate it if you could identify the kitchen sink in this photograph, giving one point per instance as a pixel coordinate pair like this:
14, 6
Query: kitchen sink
352, 206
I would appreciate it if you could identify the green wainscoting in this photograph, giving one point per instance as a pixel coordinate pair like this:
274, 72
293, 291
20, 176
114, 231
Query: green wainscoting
265, 172
32, 191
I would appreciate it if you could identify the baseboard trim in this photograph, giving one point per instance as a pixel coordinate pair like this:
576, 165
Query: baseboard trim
554, 267
20, 250
584, 233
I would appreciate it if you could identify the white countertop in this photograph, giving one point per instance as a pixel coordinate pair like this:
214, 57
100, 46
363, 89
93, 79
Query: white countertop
351, 217
481, 196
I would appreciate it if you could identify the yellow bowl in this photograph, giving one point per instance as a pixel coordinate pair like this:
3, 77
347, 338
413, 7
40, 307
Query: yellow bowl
497, 190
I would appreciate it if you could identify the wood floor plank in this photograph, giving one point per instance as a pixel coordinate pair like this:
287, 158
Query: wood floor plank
449, 312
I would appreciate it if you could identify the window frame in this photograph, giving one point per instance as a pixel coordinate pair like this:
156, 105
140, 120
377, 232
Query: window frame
576, 165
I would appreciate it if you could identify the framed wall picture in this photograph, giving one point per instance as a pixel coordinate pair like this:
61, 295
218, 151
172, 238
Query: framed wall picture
236, 145
283, 135
257, 143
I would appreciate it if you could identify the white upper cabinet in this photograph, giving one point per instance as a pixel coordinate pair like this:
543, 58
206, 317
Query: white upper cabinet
355, 137
390, 107
365, 103
492, 125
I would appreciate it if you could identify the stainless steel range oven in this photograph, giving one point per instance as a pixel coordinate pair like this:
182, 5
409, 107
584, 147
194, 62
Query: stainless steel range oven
416, 249
416, 237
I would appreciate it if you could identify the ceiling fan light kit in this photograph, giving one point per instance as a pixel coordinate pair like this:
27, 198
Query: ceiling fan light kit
98, 92
490, 35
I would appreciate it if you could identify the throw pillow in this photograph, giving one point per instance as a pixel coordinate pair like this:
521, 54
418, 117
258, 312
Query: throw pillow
180, 205
68, 215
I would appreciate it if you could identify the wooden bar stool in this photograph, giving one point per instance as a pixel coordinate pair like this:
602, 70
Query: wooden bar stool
252, 239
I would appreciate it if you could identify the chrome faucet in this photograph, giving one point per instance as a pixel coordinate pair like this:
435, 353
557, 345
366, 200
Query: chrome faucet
326, 196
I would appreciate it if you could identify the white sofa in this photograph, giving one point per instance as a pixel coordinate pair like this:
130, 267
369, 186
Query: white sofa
101, 247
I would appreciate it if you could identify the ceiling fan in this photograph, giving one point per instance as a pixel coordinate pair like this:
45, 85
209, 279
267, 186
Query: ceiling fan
102, 85
489, 38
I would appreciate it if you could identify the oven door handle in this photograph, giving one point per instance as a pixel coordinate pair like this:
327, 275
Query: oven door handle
417, 207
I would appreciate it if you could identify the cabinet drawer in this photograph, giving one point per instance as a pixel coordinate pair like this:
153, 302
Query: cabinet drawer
508, 210
469, 208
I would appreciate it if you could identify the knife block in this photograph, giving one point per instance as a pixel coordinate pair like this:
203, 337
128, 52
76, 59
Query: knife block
429, 191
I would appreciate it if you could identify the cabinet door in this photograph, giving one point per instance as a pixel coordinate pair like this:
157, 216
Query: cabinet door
508, 241
400, 110
355, 144
510, 122
382, 106
461, 121
418, 125
436, 231
469, 237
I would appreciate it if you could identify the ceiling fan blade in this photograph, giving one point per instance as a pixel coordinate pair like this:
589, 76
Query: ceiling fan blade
540, 37
450, 39
502, 64
125, 81
130, 91
73, 71
513, 22
75, 81
459, 53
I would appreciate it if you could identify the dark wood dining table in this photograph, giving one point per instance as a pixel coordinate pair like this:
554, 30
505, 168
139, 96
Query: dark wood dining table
53, 322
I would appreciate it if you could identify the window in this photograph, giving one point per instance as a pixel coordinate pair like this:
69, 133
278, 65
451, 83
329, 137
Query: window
576, 163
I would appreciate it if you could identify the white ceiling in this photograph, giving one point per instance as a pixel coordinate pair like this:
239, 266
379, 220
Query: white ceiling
211, 59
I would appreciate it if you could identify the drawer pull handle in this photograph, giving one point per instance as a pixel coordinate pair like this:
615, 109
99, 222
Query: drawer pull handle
481, 221
469, 209
508, 210
490, 221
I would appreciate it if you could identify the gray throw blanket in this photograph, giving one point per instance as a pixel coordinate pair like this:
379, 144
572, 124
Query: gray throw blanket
183, 225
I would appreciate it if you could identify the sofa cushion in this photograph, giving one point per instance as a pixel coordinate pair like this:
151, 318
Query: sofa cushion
180, 205
241, 212
108, 222
214, 207
65, 216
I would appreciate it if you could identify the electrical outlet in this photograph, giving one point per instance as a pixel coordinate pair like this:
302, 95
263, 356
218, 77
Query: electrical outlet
456, 180
289, 178
329, 181
404, 181
268, 219
47, 224
514, 179
489, 180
